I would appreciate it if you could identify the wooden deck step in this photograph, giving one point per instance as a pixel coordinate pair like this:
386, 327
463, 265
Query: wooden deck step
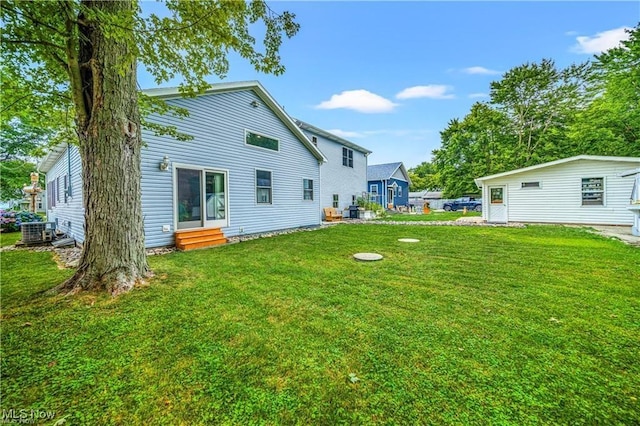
199, 238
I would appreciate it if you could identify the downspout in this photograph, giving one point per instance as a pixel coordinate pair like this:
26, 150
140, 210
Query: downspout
320, 191
386, 194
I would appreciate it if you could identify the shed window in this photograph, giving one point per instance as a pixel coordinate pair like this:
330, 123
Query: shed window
307, 189
336, 201
530, 185
347, 157
263, 187
399, 191
261, 141
593, 191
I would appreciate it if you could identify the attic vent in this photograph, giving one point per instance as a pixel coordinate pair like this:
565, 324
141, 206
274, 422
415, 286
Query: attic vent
530, 184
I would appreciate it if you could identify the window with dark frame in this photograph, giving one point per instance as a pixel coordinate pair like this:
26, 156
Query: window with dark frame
314, 140
593, 191
307, 189
347, 157
530, 185
263, 187
66, 189
336, 201
58, 189
262, 141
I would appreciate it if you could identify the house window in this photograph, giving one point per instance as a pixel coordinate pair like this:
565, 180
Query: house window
347, 157
66, 189
530, 185
51, 194
314, 140
354, 200
593, 191
373, 189
307, 189
261, 141
263, 187
336, 201
57, 189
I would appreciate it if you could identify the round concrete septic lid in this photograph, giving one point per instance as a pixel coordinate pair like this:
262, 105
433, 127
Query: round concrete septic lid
367, 257
408, 240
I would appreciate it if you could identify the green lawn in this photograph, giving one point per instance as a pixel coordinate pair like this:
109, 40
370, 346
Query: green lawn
473, 325
9, 238
431, 217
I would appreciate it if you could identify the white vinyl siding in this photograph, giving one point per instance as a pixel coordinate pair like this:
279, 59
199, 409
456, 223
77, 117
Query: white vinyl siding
218, 123
64, 194
336, 178
559, 200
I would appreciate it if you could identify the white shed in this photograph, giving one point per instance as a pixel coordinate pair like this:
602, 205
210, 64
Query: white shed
585, 189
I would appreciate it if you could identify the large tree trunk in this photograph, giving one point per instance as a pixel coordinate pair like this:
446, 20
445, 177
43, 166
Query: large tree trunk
113, 256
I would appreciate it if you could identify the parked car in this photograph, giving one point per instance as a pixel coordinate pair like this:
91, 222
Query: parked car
460, 203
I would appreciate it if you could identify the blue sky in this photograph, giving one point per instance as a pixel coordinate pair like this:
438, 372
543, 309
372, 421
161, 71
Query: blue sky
389, 76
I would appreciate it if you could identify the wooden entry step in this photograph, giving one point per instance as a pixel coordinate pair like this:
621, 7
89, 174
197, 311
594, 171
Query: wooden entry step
189, 239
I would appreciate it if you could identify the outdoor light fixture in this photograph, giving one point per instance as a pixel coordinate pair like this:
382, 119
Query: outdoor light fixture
254, 104
164, 165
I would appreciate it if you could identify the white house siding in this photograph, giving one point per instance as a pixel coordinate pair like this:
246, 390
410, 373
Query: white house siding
559, 200
338, 179
218, 123
69, 216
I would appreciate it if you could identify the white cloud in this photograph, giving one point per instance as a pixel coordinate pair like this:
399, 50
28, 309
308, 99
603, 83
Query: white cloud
480, 70
346, 133
433, 91
478, 95
358, 100
601, 41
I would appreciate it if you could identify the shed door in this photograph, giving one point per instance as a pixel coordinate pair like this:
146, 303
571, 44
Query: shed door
497, 204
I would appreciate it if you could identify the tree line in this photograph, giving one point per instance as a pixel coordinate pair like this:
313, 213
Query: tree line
538, 112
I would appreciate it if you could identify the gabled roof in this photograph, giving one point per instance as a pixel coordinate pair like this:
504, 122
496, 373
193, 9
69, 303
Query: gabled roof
318, 131
258, 89
386, 171
173, 93
557, 162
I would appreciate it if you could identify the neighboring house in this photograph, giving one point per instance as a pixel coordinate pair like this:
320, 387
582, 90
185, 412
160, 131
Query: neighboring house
584, 189
343, 178
248, 169
388, 184
419, 198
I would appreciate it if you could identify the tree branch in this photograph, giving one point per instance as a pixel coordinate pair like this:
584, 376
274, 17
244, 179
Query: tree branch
44, 43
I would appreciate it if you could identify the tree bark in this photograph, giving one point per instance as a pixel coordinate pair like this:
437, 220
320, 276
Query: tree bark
108, 123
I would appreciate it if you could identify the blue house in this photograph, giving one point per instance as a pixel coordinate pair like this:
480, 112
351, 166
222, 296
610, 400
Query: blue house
389, 185
344, 176
248, 169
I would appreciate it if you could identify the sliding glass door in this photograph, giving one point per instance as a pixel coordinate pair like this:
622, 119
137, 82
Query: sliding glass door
201, 198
